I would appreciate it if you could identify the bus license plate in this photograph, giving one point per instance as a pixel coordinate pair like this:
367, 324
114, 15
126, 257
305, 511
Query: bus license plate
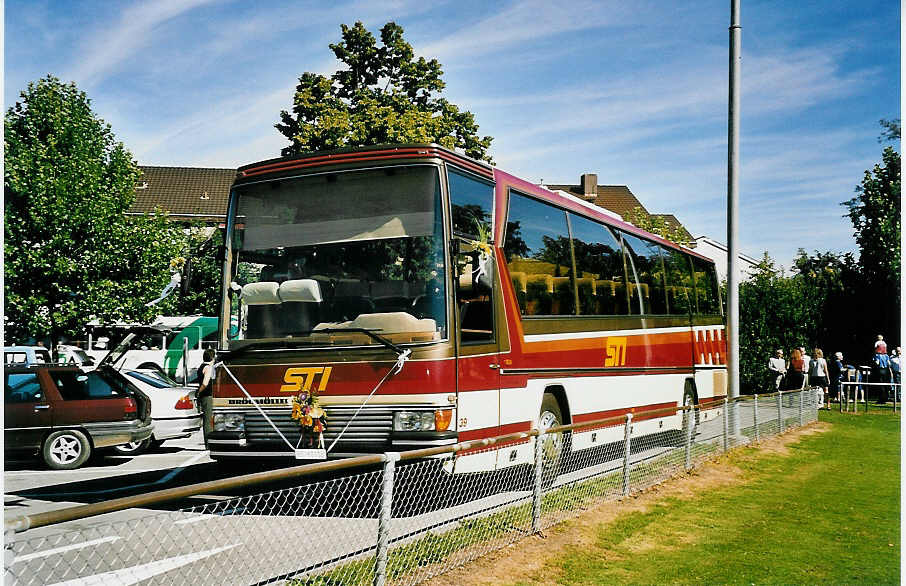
311, 454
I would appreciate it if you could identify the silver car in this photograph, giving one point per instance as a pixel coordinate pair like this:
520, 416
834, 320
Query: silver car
174, 409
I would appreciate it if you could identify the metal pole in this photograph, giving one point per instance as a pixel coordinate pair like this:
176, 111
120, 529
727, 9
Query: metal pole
690, 419
757, 436
626, 449
536, 486
383, 537
733, 208
780, 411
801, 408
185, 361
726, 424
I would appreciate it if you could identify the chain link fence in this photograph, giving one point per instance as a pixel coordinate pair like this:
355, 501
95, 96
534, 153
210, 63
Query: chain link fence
407, 518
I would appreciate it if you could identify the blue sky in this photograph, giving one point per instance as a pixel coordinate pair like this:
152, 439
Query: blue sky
633, 91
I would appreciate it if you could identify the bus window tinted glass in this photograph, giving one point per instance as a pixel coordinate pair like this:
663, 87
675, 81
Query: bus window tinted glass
650, 273
706, 293
472, 204
538, 256
680, 293
600, 281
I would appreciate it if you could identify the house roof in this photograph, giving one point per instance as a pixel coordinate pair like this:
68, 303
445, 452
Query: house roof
186, 193
616, 198
619, 199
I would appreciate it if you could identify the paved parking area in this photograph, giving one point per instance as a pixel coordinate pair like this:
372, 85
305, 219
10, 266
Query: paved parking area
30, 487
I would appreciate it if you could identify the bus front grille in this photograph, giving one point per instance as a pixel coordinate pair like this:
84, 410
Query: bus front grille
371, 425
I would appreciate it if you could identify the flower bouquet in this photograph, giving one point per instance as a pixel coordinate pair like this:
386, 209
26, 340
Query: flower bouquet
311, 417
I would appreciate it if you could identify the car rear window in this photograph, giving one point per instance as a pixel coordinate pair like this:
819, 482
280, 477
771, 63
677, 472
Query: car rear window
87, 385
155, 379
22, 388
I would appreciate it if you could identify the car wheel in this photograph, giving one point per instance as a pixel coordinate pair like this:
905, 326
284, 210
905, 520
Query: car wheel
133, 448
551, 444
66, 449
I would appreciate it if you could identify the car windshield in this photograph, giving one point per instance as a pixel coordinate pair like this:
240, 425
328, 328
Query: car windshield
321, 256
154, 378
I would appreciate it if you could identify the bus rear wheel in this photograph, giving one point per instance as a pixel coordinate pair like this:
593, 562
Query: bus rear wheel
552, 445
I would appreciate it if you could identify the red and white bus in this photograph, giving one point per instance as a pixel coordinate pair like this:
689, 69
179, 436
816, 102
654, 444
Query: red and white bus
426, 298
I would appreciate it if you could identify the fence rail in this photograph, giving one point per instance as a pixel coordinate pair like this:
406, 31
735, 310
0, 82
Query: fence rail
403, 520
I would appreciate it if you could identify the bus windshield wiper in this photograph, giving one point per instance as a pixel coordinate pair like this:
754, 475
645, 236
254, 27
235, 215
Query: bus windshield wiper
370, 333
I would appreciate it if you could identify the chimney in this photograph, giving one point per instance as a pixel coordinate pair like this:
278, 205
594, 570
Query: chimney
589, 184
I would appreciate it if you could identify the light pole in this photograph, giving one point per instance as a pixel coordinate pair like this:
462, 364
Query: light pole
733, 215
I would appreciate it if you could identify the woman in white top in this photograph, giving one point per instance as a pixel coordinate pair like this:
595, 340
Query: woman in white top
818, 375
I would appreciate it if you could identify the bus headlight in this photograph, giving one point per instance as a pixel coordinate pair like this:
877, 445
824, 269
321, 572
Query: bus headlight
437, 420
229, 422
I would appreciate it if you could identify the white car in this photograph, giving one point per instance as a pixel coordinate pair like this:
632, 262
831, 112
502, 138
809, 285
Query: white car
174, 409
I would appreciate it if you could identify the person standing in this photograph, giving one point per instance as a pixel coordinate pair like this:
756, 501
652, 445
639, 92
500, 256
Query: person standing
777, 368
818, 375
880, 345
806, 366
895, 372
795, 375
837, 374
205, 395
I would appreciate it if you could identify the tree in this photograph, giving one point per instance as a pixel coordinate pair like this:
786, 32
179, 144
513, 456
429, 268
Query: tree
200, 286
70, 251
875, 215
384, 96
657, 225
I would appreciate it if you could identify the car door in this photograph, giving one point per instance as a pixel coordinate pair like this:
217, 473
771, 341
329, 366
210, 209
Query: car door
27, 413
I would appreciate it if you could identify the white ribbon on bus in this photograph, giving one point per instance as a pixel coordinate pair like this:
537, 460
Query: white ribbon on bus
395, 369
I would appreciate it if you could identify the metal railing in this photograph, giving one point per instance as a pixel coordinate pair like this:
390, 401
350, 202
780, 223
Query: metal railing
399, 518
850, 391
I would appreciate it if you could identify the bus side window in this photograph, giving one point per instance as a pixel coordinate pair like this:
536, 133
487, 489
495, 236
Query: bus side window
472, 205
474, 295
539, 257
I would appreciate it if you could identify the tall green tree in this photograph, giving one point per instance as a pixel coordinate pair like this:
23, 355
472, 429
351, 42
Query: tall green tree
70, 252
383, 96
875, 216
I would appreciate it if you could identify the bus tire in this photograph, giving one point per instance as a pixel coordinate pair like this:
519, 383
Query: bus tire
677, 437
552, 445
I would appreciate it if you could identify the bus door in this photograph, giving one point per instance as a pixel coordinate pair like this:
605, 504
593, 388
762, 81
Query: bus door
478, 352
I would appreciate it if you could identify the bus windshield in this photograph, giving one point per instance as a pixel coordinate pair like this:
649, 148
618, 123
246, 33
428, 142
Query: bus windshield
317, 257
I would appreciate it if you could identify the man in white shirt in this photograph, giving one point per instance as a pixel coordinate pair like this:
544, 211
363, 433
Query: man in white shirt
777, 366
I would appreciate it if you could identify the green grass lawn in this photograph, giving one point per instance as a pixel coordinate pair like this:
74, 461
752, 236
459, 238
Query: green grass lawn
828, 511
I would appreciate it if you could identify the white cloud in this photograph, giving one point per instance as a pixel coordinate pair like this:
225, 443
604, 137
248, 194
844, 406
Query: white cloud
525, 22
112, 43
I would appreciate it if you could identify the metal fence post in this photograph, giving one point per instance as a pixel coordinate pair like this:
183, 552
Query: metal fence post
755, 415
780, 411
690, 422
801, 408
383, 537
626, 449
536, 485
726, 424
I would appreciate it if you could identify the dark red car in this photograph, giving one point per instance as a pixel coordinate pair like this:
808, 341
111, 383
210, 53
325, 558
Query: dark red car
64, 413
